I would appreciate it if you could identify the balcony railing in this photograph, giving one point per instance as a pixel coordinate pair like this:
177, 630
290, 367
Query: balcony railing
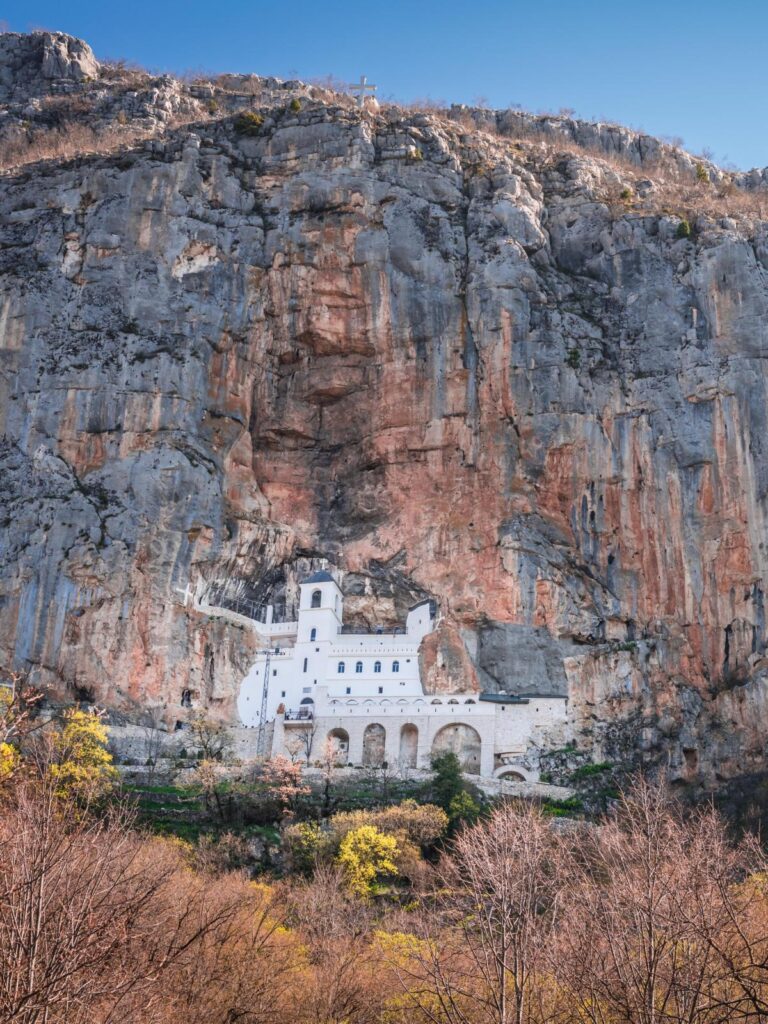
371, 631
302, 715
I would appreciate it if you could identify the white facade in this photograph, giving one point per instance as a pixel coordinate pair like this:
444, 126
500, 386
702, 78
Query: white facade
364, 692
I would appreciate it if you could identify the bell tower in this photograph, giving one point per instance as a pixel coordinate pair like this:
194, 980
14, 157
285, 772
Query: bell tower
321, 608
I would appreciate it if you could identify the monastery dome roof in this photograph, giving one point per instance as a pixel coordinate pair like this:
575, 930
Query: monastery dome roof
320, 577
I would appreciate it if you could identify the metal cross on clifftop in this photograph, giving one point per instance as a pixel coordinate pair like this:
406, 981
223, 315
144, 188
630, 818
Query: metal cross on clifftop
361, 88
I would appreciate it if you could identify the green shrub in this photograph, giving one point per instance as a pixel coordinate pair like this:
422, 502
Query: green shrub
684, 229
573, 358
303, 844
295, 105
702, 174
463, 810
415, 155
248, 123
448, 780
626, 193
587, 771
562, 808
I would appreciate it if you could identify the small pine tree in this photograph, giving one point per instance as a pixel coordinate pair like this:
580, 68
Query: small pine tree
684, 229
448, 781
463, 810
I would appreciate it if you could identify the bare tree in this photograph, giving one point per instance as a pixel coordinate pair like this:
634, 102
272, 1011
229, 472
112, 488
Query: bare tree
213, 739
649, 934
91, 915
154, 741
341, 984
484, 935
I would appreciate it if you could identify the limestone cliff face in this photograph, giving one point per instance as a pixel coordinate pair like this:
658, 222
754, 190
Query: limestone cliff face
446, 362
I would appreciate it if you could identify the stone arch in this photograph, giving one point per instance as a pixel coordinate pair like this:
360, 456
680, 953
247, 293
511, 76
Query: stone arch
374, 740
463, 741
511, 773
409, 746
340, 739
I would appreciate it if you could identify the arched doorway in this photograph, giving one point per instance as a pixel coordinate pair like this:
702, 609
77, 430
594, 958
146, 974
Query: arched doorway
374, 739
463, 741
339, 738
511, 776
409, 746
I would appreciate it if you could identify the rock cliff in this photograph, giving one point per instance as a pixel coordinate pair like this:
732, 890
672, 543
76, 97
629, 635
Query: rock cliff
515, 364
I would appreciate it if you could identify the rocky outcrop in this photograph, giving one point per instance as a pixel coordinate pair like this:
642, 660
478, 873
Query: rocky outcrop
41, 63
449, 363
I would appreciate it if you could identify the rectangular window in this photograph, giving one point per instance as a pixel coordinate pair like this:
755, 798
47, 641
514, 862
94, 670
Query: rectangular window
381, 689
349, 689
282, 693
305, 664
274, 671
306, 689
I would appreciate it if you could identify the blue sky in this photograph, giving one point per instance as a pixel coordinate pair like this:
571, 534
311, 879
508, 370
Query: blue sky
695, 70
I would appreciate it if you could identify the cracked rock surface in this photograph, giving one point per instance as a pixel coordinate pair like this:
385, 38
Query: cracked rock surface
448, 363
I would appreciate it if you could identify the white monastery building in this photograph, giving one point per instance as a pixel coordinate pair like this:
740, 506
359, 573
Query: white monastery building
364, 692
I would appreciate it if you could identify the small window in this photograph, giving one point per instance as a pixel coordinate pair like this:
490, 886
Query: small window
305, 664
313, 635
359, 667
395, 666
340, 669
282, 693
377, 667
381, 689
316, 598
274, 671
349, 689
